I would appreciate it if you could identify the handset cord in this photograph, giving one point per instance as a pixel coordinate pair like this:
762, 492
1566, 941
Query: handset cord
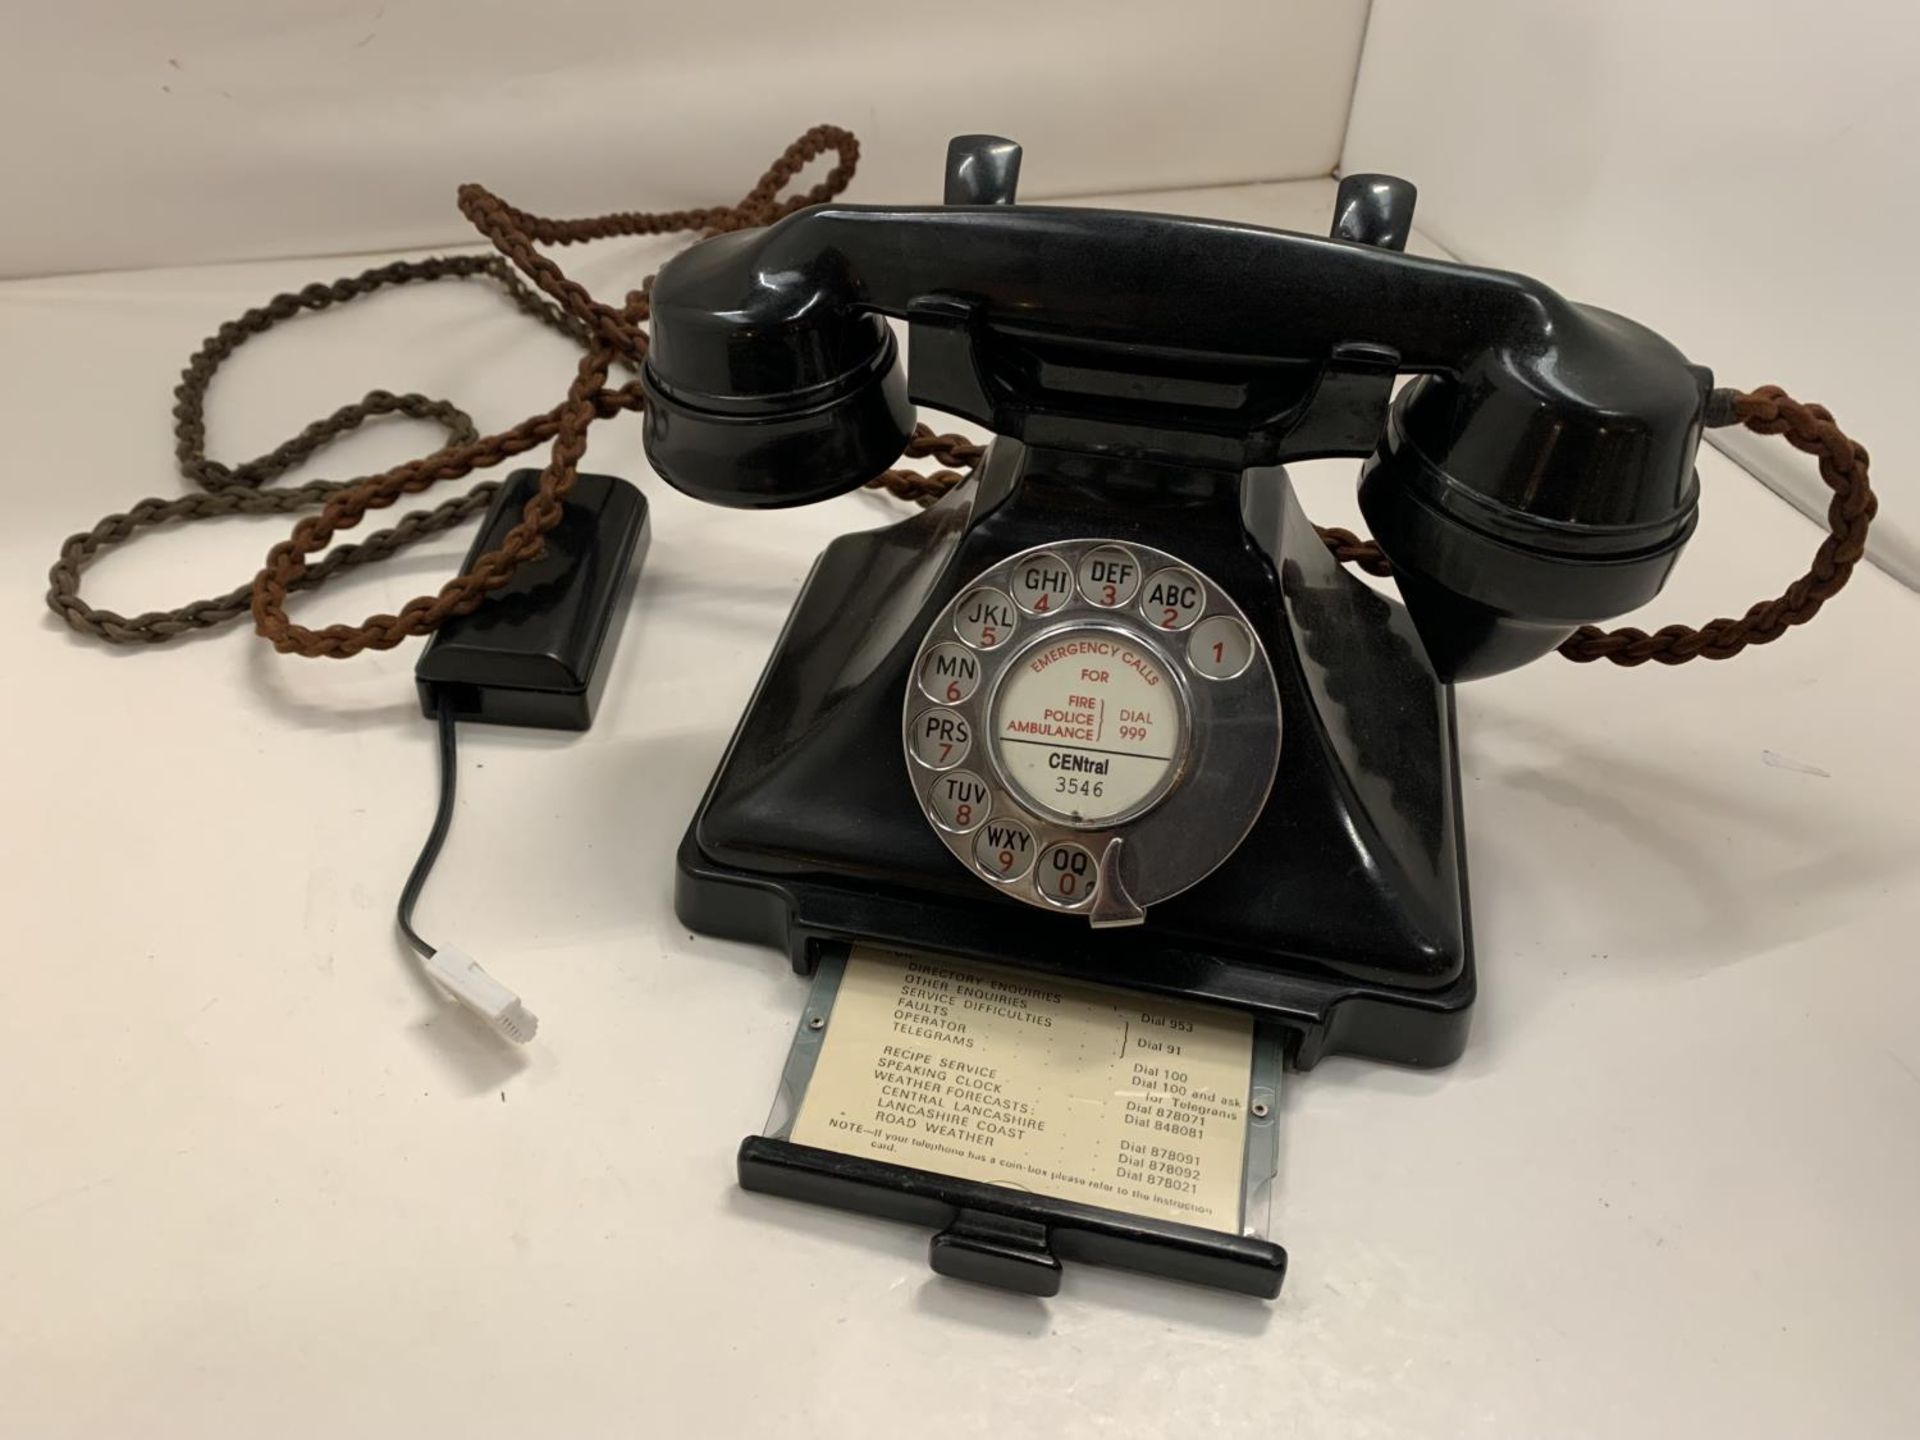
614, 337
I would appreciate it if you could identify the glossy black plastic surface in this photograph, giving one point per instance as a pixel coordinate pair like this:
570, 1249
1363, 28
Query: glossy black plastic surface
536, 652
792, 448
1538, 475
1342, 916
981, 170
1563, 525
1011, 1238
773, 313
1374, 210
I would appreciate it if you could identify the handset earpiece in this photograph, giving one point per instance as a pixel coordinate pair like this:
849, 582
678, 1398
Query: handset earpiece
788, 398
1537, 492
1536, 477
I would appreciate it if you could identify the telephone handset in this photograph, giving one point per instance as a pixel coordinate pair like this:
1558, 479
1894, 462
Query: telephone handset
1091, 662
1537, 475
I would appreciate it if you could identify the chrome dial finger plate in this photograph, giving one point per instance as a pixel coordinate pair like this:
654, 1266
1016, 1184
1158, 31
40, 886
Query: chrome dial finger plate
1120, 725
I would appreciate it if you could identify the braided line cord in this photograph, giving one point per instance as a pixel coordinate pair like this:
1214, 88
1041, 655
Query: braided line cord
238, 489
611, 337
1843, 466
1766, 411
243, 489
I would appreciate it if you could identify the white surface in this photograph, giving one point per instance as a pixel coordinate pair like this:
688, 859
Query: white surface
1743, 179
258, 1183
200, 130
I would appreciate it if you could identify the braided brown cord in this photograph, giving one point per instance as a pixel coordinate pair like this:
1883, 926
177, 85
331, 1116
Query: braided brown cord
237, 489
1766, 411
240, 489
1843, 466
612, 336
616, 337
1349, 549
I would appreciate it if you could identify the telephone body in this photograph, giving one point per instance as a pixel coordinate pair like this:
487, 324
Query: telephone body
1111, 710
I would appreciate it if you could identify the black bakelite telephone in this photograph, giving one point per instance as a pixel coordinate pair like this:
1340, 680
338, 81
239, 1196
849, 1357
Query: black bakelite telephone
1113, 711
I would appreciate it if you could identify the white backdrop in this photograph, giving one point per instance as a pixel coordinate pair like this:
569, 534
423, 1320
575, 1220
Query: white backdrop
1741, 178
196, 130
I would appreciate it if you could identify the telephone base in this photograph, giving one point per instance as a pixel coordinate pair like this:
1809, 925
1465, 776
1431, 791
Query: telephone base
1342, 917
1321, 1015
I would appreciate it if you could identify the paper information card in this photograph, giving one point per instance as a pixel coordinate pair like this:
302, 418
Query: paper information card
1081, 1092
